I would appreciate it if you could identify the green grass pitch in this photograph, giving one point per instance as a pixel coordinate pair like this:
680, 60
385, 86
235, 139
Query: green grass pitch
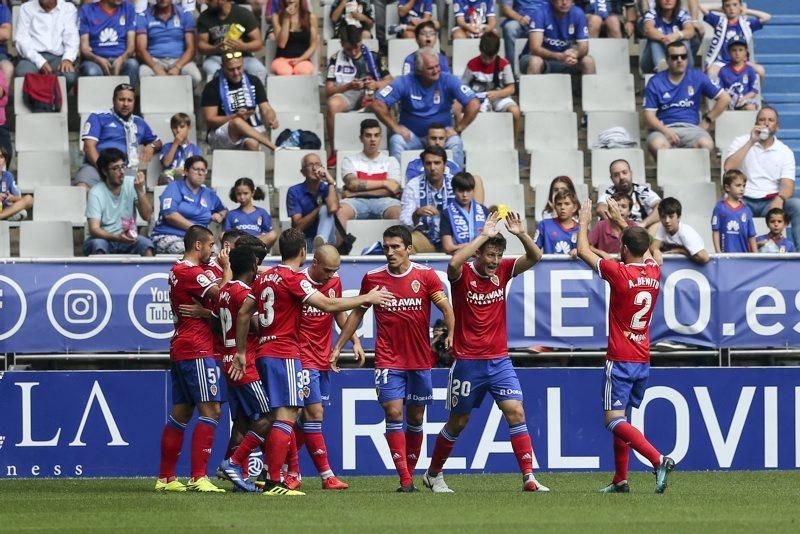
707, 502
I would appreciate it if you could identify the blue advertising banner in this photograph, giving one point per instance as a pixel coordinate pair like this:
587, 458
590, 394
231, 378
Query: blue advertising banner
92, 424
63, 307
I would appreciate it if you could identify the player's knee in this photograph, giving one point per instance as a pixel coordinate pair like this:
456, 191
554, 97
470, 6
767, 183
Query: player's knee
457, 423
314, 412
210, 409
393, 413
261, 426
181, 413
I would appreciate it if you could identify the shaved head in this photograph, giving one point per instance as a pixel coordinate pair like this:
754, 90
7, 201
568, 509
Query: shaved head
326, 263
327, 254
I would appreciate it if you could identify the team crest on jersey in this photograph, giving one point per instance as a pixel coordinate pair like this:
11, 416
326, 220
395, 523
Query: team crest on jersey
474, 283
86, 127
571, 29
690, 90
122, 20
203, 202
453, 401
415, 286
495, 279
744, 217
213, 389
259, 221
305, 392
574, 238
437, 97
332, 293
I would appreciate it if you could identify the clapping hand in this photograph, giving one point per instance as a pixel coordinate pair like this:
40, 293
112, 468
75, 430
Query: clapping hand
514, 223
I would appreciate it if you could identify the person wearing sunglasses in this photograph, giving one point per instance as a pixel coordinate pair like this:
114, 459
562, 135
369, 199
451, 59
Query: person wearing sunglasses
215, 37
672, 104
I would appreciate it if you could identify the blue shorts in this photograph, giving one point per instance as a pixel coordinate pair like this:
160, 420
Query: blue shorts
248, 400
196, 381
316, 387
470, 380
413, 387
624, 384
283, 380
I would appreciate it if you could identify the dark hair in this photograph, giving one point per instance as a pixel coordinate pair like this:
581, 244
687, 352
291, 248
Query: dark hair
232, 236
366, 124
398, 230
495, 241
435, 126
351, 35
194, 234
191, 161
767, 107
561, 195
107, 157
243, 261
124, 87
258, 193
619, 195
302, 13
434, 151
670, 206
776, 211
179, 119
421, 26
291, 242
6, 156
254, 244
490, 44
731, 175
558, 179
620, 160
675, 11
677, 44
636, 239
463, 181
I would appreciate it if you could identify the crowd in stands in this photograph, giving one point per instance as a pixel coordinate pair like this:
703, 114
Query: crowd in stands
232, 51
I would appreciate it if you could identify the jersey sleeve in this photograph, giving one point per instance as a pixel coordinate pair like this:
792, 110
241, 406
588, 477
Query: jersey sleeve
146, 135
366, 287
651, 96
755, 23
393, 92
609, 270
581, 27
261, 91
539, 237
266, 222
300, 288
433, 282
91, 130
459, 91
505, 272
715, 218
712, 18
293, 206
537, 21
751, 226
444, 224
188, 22
707, 87
141, 24
227, 223
170, 199
198, 283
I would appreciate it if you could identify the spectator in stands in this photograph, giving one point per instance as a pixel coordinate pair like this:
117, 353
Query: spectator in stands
235, 108
463, 217
518, 15
355, 73
175, 154
597, 13
673, 101
248, 217
559, 183
312, 204
426, 35
225, 27
117, 128
560, 234
739, 79
412, 14
111, 209
425, 199
436, 136
604, 237
732, 227
14, 205
425, 97
372, 183
473, 18
6, 64
770, 169
107, 39
676, 237
736, 23
644, 200
774, 241
558, 41
47, 39
297, 39
667, 23
492, 79
185, 203
353, 13
166, 41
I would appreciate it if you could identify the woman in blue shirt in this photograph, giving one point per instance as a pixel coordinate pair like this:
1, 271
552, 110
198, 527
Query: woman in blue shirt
663, 25
248, 217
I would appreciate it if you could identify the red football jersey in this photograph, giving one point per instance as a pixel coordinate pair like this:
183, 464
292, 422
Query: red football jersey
479, 303
231, 297
316, 327
403, 338
193, 337
279, 293
214, 273
634, 291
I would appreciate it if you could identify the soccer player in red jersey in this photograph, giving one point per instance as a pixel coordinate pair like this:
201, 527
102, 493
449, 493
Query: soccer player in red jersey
278, 295
480, 345
403, 356
194, 370
634, 285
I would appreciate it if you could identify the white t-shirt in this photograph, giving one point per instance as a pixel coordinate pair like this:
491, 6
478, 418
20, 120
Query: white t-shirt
686, 237
764, 168
383, 167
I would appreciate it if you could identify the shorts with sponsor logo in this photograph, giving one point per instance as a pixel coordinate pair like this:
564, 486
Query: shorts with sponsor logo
413, 387
624, 384
196, 381
470, 380
248, 400
316, 387
283, 380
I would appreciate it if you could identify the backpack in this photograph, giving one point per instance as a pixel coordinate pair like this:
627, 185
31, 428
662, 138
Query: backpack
302, 139
42, 93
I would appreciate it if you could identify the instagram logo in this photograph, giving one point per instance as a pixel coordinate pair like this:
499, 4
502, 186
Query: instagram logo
80, 306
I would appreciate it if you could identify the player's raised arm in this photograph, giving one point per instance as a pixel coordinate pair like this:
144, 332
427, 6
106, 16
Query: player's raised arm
348, 330
532, 253
333, 305
463, 254
584, 248
441, 302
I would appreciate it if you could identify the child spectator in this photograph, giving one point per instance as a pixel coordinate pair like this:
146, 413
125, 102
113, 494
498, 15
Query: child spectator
13, 205
559, 183
675, 237
736, 22
357, 13
605, 235
412, 14
248, 218
560, 235
473, 18
732, 224
739, 78
774, 241
175, 154
463, 218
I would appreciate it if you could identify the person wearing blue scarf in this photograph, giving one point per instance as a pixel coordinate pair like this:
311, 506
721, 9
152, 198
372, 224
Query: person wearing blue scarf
463, 218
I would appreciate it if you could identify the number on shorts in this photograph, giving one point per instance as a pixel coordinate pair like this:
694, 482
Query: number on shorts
381, 376
212, 376
305, 377
227, 325
267, 314
460, 388
645, 300
300, 376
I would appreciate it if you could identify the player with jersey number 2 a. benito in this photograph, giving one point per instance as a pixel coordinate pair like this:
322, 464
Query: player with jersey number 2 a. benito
635, 283
480, 345
403, 356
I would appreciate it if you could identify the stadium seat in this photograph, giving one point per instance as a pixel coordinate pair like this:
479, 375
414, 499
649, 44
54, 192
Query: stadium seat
95, 93
60, 203
287, 166
45, 239
599, 121
334, 45
367, 232
166, 94
519, 44
159, 123
20, 108
512, 195
407, 156
547, 164
42, 168
153, 172
224, 194
5, 239
42, 131
12, 49
602, 158
327, 25
157, 191
494, 166
540, 202
392, 18
346, 127
490, 131
293, 93
545, 93
229, 165
761, 225
608, 92
466, 49
270, 49
611, 56
683, 165
551, 130
283, 214
311, 121
730, 125
399, 49
340, 158
697, 200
